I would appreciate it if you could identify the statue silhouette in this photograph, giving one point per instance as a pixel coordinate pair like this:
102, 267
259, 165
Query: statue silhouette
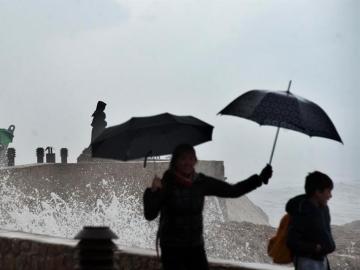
98, 123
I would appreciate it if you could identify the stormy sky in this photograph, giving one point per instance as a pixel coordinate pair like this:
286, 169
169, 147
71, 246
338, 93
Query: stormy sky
144, 57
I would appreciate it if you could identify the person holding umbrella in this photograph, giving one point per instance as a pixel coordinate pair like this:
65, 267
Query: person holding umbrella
179, 199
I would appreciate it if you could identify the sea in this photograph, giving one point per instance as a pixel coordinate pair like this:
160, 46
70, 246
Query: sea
344, 204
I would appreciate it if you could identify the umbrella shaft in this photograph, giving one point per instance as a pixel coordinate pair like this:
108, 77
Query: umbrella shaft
273, 148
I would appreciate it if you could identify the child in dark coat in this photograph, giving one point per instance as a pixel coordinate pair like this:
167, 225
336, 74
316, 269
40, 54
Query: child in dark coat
309, 238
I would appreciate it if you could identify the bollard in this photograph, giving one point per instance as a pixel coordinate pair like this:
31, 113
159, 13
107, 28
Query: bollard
64, 155
11, 153
50, 156
40, 155
95, 249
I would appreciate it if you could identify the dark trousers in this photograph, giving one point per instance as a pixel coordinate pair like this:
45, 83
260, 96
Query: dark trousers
184, 258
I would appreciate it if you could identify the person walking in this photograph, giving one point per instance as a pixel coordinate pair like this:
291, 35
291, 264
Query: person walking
179, 199
309, 237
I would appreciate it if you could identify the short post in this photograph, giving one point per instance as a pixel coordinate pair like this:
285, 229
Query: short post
50, 156
11, 153
40, 152
95, 250
64, 155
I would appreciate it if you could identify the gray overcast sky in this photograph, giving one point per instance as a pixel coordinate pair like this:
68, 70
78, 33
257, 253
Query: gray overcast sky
58, 58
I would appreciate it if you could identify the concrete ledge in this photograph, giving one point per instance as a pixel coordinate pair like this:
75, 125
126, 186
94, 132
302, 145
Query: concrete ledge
24, 251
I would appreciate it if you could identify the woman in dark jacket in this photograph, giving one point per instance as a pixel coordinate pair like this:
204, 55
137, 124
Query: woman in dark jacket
179, 198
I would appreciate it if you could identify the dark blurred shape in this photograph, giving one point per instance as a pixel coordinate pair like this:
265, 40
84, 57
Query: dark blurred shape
50, 156
95, 250
11, 153
40, 152
64, 155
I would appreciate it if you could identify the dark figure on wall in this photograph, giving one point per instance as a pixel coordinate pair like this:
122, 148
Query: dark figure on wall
98, 123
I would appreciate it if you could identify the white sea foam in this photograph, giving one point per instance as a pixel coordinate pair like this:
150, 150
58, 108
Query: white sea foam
52, 215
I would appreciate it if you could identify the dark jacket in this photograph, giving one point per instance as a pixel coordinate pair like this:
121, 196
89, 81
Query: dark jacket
180, 208
309, 226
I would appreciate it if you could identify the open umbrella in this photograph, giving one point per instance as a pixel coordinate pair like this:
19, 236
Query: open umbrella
150, 136
283, 109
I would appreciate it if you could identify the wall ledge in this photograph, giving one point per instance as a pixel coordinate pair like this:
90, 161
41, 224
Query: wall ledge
62, 251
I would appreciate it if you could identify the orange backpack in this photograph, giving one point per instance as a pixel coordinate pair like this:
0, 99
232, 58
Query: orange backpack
277, 248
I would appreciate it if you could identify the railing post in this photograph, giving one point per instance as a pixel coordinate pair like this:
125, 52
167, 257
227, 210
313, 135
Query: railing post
40, 155
64, 155
50, 156
95, 250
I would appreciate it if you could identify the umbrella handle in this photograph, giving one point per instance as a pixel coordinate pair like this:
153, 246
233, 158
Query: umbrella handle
273, 148
155, 167
145, 161
148, 154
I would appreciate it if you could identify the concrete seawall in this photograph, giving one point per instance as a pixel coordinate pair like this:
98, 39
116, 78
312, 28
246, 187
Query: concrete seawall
23, 251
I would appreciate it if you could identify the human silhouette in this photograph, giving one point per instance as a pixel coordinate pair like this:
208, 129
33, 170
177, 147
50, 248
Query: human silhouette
309, 237
179, 199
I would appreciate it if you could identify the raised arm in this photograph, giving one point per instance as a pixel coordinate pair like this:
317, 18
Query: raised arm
215, 187
152, 199
152, 203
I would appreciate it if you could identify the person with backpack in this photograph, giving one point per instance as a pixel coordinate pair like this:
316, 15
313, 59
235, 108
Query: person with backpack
309, 233
179, 199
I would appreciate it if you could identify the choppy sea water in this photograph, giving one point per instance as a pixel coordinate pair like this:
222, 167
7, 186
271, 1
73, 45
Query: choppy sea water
344, 205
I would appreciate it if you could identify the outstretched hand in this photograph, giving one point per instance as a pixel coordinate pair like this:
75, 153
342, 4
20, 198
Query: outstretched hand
266, 174
156, 183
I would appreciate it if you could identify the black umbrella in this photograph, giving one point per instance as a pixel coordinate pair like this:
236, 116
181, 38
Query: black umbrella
283, 109
150, 136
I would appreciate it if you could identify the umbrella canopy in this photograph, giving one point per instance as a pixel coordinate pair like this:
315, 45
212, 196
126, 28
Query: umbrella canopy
150, 136
283, 109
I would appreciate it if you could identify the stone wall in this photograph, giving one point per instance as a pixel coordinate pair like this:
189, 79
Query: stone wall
22, 251
3, 157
